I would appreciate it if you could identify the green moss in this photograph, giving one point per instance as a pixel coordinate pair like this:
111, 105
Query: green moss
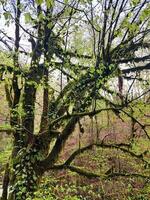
4, 154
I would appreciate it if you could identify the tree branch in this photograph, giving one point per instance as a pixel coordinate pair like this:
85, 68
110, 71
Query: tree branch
82, 114
53, 155
136, 69
123, 147
90, 175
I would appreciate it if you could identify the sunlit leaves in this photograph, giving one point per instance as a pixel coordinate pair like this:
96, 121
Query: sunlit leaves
133, 28
28, 17
145, 13
5, 58
39, 2
41, 16
7, 15
49, 3
135, 2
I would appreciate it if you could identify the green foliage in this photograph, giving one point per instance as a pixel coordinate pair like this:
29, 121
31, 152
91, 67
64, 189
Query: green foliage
135, 2
145, 13
5, 152
28, 17
39, 2
7, 15
5, 58
51, 190
139, 197
50, 3
26, 178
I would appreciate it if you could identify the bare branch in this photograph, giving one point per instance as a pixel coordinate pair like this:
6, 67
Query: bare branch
136, 69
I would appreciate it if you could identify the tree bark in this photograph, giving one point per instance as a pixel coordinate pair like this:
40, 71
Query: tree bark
5, 183
24, 177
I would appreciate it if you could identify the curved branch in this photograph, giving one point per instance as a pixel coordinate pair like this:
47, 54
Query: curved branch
123, 147
115, 174
90, 175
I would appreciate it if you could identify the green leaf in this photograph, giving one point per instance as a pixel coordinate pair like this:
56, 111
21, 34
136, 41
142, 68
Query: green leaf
145, 13
23, 190
41, 16
27, 17
135, 2
7, 15
65, 1
39, 2
49, 3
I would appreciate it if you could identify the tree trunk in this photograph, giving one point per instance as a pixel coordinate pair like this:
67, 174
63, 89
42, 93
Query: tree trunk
5, 183
24, 177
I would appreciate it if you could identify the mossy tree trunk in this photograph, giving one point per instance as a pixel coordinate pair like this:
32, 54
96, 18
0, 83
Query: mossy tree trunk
33, 160
24, 177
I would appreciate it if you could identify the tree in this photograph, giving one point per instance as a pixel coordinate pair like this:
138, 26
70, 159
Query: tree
117, 33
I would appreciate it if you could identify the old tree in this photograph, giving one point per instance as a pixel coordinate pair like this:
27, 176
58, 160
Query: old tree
88, 45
